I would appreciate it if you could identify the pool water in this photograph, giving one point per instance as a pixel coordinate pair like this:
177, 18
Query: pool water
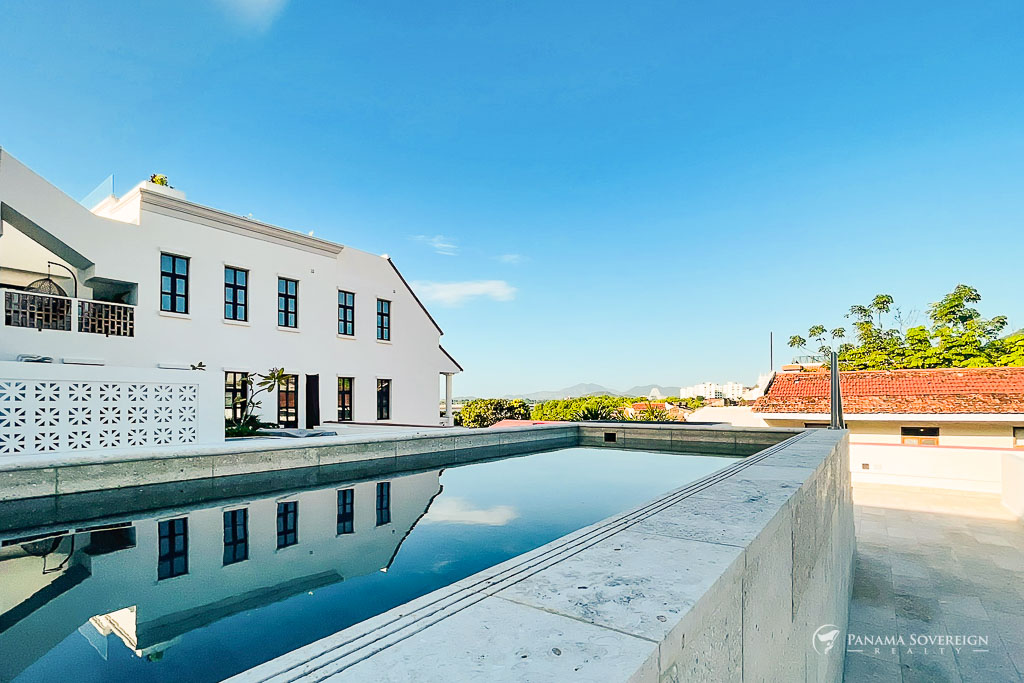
202, 593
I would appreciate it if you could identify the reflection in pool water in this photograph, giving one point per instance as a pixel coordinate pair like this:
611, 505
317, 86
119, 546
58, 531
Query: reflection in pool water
201, 593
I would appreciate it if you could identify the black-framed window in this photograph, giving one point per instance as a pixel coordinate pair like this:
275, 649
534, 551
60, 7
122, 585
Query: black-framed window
287, 524
383, 319
287, 302
173, 283
346, 511
236, 389
346, 313
236, 293
173, 551
236, 536
345, 399
288, 402
383, 502
383, 399
919, 436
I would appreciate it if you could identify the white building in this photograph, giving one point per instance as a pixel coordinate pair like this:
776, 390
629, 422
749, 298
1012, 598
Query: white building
730, 390
152, 280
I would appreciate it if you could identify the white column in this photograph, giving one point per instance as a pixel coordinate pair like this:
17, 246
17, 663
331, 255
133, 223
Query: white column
448, 420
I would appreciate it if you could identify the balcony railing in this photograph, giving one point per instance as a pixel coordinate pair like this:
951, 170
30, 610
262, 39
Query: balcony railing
103, 317
48, 312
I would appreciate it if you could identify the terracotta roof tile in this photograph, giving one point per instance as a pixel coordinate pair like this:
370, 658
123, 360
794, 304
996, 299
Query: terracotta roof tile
935, 391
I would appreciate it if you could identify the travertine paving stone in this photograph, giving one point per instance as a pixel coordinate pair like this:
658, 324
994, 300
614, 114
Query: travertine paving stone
474, 645
929, 572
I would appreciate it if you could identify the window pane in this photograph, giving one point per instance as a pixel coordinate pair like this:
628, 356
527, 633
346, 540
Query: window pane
166, 263
240, 278
165, 302
180, 266
229, 275
179, 286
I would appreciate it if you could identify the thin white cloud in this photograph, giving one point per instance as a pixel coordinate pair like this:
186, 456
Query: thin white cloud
458, 293
440, 244
511, 258
461, 511
256, 14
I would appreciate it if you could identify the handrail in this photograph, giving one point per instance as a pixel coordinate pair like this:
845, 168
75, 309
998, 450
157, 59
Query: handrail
836, 396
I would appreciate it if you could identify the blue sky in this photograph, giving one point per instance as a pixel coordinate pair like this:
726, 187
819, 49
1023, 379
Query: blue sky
620, 193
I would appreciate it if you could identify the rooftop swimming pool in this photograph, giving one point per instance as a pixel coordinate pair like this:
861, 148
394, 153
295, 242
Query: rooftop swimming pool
202, 591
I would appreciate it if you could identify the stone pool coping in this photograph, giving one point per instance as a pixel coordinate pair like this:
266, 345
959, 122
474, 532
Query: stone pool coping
727, 578
36, 475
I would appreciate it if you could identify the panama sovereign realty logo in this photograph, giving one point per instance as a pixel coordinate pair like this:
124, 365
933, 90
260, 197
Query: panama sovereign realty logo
824, 639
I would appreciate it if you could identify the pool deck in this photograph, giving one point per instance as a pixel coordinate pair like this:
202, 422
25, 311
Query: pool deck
937, 563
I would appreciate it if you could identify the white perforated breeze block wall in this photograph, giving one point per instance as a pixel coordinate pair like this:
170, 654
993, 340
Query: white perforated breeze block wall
48, 408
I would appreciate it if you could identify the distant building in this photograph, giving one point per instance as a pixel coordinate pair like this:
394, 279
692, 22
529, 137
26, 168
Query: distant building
733, 391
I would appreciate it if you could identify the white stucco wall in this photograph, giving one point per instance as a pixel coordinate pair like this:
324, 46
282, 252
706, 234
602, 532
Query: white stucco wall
149, 223
1013, 482
970, 455
47, 408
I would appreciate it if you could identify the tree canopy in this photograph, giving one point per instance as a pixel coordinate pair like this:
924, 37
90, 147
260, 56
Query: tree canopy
578, 408
957, 336
484, 412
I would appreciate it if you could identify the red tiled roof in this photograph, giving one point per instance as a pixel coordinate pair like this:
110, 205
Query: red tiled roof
646, 405
935, 391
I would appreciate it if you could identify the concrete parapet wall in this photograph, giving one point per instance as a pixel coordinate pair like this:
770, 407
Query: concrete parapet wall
729, 578
958, 468
683, 438
38, 475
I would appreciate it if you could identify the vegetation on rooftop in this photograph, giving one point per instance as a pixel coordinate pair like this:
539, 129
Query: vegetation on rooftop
885, 337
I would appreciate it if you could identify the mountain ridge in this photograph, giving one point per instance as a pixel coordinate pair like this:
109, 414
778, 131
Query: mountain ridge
584, 389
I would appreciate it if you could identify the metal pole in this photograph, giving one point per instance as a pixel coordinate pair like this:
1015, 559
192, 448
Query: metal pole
835, 395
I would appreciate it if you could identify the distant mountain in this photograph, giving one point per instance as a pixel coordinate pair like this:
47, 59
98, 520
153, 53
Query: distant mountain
574, 391
645, 390
589, 389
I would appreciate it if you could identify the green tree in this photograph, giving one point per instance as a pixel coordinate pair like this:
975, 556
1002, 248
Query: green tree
569, 409
957, 337
594, 411
484, 412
